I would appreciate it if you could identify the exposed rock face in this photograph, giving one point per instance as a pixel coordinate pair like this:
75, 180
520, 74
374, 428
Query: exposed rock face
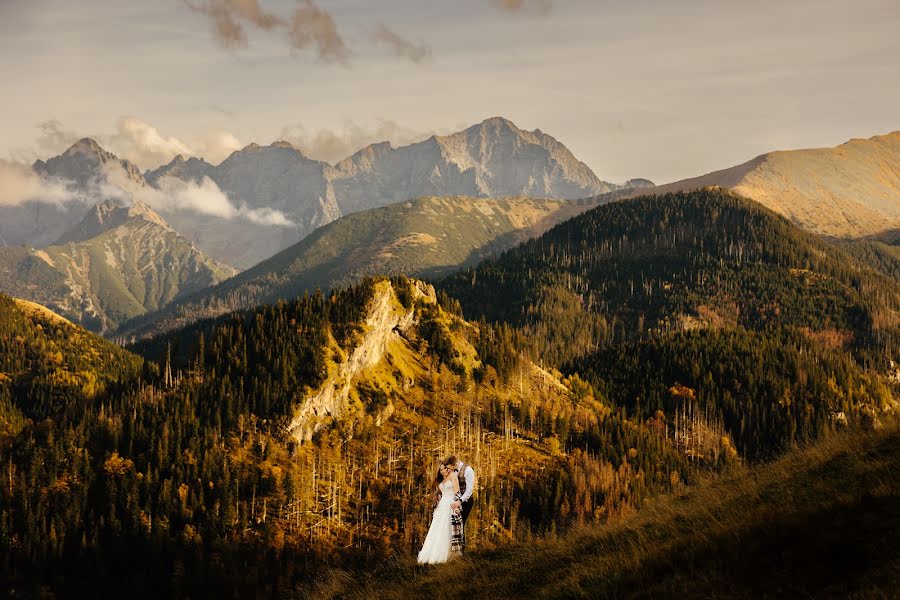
191, 169
84, 162
109, 214
83, 170
386, 322
492, 159
850, 190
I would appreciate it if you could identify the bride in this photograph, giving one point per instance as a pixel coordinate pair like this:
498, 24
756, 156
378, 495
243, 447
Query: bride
440, 543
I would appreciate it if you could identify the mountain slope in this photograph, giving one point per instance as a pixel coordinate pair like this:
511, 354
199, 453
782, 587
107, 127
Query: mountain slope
303, 432
819, 523
48, 364
492, 159
425, 236
673, 262
119, 262
850, 190
702, 308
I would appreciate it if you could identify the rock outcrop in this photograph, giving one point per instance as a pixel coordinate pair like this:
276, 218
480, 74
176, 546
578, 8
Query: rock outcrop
387, 321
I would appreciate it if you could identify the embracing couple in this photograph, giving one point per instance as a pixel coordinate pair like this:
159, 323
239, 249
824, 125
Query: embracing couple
453, 487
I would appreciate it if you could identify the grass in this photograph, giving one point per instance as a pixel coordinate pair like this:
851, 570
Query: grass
820, 522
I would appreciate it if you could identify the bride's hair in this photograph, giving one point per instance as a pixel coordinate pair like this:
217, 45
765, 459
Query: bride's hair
438, 479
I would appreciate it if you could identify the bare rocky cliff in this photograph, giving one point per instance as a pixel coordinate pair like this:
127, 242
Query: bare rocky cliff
387, 322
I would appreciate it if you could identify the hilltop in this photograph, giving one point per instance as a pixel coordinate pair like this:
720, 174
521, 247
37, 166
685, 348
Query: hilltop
851, 190
681, 261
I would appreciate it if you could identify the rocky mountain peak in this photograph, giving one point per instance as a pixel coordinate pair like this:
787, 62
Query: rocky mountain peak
86, 162
85, 145
283, 144
110, 214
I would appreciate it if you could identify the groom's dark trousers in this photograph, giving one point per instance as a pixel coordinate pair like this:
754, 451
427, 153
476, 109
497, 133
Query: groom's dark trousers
466, 509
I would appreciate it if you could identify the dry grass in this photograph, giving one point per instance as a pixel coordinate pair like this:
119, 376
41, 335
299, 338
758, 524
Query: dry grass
820, 522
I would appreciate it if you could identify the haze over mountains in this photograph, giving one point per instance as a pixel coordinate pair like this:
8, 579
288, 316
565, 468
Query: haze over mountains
851, 190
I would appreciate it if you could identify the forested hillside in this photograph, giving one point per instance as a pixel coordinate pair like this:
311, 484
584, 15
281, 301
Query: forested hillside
48, 366
705, 308
681, 261
201, 467
623, 355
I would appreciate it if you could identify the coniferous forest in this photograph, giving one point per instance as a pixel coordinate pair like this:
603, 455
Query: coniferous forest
626, 354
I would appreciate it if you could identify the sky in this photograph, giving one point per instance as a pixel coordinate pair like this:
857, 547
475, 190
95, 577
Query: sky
659, 89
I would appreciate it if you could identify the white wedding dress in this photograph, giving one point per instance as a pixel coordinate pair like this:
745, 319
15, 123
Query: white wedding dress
436, 548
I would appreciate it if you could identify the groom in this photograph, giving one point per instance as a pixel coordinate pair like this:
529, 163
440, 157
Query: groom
466, 486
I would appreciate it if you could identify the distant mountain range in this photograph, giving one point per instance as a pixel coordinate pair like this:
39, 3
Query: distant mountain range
119, 262
297, 194
852, 190
492, 159
427, 236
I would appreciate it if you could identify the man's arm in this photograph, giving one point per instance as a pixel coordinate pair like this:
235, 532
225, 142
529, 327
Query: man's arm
470, 483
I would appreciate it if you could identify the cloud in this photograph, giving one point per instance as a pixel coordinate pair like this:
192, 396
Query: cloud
402, 47
216, 145
312, 26
517, 5
141, 143
226, 15
19, 184
333, 146
205, 197
308, 27
221, 110
54, 138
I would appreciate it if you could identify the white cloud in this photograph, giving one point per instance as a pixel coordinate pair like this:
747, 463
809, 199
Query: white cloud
141, 143
215, 146
205, 197
332, 146
20, 184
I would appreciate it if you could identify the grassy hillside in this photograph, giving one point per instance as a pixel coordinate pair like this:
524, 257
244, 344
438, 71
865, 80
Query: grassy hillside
821, 522
425, 236
849, 190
